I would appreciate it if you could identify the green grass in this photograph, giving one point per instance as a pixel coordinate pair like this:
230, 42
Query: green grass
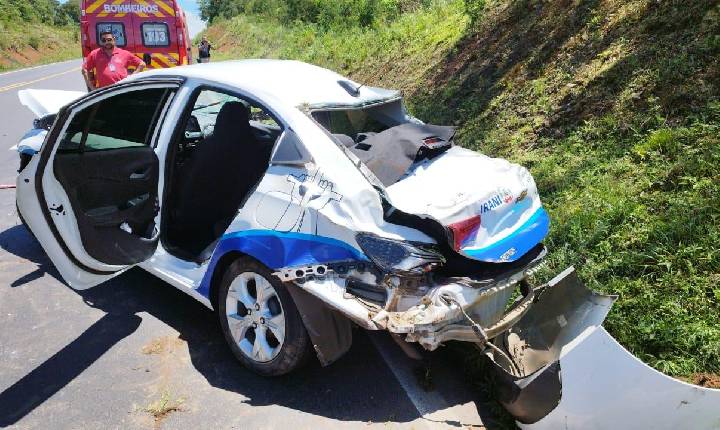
614, 106
360, 51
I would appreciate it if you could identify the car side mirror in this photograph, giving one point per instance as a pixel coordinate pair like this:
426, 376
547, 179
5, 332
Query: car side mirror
290, 151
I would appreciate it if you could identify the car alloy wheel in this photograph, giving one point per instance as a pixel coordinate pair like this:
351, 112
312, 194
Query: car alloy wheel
259, 319
255, 317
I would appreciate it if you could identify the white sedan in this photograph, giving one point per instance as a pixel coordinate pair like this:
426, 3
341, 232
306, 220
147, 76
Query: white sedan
295, 203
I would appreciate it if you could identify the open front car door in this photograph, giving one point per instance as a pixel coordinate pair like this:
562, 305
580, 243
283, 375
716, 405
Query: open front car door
91, 195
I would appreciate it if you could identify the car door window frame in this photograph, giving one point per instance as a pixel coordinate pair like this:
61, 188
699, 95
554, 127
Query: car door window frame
187, 110
178, 134
151, 135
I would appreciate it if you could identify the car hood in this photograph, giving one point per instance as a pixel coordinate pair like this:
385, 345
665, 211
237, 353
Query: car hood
459, 185
45, 102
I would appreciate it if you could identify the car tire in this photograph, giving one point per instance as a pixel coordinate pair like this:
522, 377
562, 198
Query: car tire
270, 339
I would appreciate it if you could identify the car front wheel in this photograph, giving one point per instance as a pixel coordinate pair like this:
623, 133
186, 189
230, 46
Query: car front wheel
260, 321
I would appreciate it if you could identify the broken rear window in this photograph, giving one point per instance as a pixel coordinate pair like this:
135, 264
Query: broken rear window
385, 138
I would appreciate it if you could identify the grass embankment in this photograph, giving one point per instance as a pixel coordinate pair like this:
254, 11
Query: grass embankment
613, 105
24, 44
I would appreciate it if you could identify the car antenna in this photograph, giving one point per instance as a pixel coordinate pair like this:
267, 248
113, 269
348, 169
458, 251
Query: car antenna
350, 88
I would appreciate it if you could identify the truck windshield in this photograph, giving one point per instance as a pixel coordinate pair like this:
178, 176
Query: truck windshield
117, 29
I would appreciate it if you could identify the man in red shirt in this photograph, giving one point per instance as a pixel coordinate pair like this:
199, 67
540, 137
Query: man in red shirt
108, 64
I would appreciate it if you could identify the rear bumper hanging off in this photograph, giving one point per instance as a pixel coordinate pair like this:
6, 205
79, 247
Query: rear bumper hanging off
560, 369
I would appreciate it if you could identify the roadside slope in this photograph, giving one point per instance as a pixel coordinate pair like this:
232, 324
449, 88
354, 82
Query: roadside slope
613, 105
31, 44
34, 32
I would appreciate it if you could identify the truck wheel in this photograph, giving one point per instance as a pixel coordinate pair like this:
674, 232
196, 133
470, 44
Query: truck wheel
260, 321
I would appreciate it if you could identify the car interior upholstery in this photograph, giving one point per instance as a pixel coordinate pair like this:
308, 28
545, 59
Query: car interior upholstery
110, 173
213, 180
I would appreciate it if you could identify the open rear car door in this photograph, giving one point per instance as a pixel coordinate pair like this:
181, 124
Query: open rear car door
91, 195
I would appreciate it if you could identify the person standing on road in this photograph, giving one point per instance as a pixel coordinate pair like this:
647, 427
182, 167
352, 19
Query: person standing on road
109, 64
204, 50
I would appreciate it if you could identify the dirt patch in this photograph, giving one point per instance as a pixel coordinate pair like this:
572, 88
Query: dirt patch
24, 56
169, 354
5, 63
707, 380
162, 345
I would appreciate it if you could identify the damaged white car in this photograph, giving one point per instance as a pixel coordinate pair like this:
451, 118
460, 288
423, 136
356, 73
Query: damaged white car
295, 202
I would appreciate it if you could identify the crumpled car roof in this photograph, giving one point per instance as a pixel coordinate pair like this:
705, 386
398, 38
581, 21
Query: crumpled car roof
294, 82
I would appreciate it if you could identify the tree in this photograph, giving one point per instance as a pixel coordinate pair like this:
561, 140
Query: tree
71, 9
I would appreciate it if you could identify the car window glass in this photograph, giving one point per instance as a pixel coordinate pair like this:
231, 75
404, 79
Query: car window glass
117, 29
123, 121
351, 121
208, 105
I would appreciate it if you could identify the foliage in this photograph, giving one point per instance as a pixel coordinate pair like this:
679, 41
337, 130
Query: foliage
40, 11
615, 108
38, 31
71, 8
323, 13
474, 9
30, 44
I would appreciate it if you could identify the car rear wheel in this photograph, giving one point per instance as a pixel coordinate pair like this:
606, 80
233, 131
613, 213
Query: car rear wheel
260, 321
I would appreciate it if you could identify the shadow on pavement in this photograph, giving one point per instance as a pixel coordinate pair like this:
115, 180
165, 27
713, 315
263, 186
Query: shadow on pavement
57, 371
359, 387
18, 241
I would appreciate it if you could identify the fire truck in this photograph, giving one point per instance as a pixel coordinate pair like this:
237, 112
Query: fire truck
154, 30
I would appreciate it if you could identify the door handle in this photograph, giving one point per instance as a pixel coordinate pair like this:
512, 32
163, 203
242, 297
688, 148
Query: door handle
140, 175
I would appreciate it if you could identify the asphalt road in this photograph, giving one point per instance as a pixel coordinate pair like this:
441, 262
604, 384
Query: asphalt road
136, 353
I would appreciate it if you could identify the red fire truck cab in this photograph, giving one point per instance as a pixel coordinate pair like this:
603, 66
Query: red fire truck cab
154, 30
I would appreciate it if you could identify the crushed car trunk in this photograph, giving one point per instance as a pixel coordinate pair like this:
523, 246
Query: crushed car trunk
493, 213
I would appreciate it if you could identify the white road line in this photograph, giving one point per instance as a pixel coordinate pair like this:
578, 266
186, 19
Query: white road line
36, 67
434, 409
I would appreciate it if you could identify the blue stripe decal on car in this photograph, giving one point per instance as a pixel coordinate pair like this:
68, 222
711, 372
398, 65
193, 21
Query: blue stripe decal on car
513, 247
278, 249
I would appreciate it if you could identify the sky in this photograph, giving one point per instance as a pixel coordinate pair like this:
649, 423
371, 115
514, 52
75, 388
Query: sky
195, 24
190, 6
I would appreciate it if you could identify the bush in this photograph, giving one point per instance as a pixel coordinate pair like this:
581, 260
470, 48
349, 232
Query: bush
41, 11
474, 9
34, 42
325, 14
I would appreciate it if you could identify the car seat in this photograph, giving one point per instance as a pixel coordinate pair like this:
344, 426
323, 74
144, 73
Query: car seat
214, 181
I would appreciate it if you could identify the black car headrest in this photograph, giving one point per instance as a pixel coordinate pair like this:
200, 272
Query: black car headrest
233, 118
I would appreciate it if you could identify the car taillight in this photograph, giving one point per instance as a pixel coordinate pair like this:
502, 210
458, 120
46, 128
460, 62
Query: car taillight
180, 36
462, 229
